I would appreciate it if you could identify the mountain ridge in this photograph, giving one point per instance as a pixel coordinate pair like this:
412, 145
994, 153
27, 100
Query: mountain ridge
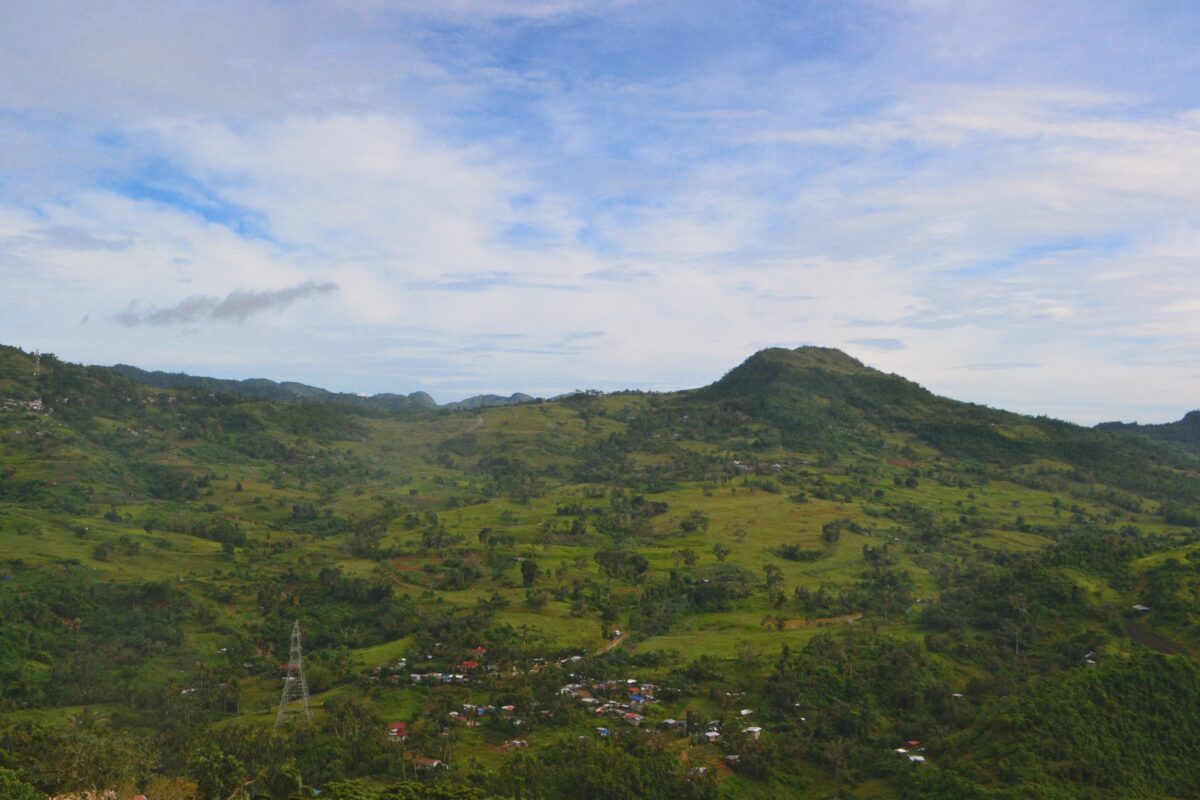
267, 389
1183, 434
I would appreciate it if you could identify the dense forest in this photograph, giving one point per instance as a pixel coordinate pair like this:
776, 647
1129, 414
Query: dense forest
808, 579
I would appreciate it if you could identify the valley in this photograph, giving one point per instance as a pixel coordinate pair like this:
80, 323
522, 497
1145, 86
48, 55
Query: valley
829, 568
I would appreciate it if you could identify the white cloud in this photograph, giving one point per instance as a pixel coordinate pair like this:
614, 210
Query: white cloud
920, 174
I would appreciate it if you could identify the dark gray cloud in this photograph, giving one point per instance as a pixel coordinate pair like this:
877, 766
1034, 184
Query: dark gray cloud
238, 305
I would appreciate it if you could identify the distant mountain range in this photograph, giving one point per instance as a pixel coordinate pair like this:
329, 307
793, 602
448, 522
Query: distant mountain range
292, 391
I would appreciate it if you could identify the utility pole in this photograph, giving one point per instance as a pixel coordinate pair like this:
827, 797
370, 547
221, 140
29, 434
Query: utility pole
294, 685
37, 363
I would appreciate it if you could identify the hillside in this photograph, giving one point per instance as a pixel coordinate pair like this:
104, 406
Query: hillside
584, 597
1183, 435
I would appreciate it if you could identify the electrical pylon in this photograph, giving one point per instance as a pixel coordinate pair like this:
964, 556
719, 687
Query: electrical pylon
294, 685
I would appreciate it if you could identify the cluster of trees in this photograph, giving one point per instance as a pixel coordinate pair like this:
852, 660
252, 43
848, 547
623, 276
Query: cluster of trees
859, 692
1124, 728
70, 638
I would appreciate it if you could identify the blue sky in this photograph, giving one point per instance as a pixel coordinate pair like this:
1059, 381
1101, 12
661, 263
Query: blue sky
998, 200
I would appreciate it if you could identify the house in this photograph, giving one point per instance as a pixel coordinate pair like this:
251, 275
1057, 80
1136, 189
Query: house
745, 712
428, 764
916, 759
397, 731
1141, 609
711, 736
602, 732
469, 664
731, 760
753, 731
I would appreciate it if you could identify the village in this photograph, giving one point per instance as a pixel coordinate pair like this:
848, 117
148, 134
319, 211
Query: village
616, 705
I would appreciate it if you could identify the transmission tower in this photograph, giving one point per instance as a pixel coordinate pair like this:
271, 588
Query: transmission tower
294, 685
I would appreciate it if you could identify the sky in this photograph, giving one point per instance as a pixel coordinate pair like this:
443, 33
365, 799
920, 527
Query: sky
999, 200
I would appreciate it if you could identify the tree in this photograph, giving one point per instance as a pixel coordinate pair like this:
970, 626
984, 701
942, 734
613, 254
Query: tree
720, 551
355, 789
686, 556
13, 788
696, 520
282, 783
774, 577
217, 774
528, 572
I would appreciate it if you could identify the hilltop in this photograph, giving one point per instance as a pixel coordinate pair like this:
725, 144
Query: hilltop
1183, 435
851, 559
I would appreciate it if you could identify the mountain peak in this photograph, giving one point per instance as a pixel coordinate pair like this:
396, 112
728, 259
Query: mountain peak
812, 357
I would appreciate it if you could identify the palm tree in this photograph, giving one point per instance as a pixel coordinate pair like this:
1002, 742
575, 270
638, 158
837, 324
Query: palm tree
282, 783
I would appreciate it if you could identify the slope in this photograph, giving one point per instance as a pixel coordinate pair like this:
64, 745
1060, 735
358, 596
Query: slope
1183, 435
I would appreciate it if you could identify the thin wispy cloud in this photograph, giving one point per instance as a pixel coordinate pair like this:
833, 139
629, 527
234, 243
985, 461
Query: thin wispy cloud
879, 344
483, 281
237, 306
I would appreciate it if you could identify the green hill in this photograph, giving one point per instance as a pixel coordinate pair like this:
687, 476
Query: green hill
852, 559
1183, 435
